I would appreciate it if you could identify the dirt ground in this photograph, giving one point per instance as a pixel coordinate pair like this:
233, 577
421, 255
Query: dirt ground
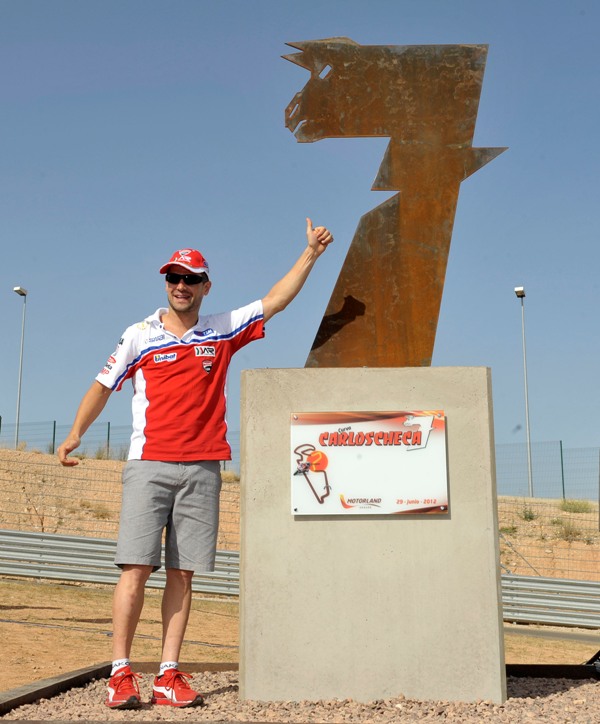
537, 536
47, 629
544, 537
37, 494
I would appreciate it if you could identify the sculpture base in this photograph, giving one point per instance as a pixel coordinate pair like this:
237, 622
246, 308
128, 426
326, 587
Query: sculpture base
369, 607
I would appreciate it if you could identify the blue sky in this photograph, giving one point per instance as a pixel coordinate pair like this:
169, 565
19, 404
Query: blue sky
132, 128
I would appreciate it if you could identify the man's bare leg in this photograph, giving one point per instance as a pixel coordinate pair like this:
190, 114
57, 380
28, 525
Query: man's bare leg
128, 601
176, 603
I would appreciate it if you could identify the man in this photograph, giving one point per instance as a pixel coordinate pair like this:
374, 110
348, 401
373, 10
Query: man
177, 361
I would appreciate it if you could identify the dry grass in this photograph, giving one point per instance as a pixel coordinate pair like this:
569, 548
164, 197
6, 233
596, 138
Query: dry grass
47, 629
555, 538
38, 494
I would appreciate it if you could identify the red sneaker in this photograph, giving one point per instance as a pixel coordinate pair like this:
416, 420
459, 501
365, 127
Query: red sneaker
172, 689
123, 690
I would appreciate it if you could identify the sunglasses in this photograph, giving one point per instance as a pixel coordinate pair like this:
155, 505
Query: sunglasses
189, 279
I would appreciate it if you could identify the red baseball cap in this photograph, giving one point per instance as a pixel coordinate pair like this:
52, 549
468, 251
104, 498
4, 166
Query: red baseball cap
190, 259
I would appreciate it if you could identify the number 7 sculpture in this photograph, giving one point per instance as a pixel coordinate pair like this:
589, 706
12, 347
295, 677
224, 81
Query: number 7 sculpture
385, 305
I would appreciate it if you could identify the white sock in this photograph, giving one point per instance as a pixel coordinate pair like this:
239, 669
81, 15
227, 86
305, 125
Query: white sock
119, 664
167, 665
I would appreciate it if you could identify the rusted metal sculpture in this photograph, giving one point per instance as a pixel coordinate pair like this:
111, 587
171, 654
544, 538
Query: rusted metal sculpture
385, 306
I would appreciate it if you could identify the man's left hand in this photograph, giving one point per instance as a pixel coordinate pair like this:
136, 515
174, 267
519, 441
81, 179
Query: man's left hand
318, 237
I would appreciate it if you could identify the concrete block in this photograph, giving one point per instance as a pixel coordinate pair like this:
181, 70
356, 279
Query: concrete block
376, 606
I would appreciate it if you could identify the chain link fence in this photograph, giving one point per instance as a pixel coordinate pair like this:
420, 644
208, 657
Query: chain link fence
557, 538
557, 472
102, 441
38, 494
555, 533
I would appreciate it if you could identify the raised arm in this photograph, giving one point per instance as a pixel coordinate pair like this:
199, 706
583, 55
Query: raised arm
287, 288
91, 406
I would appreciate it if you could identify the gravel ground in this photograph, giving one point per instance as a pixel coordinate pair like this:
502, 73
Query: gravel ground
530, 700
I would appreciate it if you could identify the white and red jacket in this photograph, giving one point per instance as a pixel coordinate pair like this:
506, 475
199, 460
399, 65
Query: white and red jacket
179, 384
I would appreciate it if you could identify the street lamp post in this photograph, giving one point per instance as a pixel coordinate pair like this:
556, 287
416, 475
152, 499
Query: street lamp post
520, 292
22, 292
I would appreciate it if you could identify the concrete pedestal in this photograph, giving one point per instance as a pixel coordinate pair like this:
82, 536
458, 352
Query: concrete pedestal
376, 606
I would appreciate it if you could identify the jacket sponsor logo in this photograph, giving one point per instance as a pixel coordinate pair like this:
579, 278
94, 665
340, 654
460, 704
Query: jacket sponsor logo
206, 332
165, 357
111, 360
204, 351
156, 339
207, 366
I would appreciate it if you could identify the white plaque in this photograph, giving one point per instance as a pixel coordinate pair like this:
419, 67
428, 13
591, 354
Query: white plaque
369, 463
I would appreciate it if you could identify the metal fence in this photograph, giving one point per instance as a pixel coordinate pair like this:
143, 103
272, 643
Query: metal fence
543, 539
553, 601
558, 472
555, 533
556, 536
525, 599
102, 441
38, 494
91, 560
559, 538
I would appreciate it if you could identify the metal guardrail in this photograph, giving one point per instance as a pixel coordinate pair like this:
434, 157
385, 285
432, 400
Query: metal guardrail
525, 599
553, 601
75, 558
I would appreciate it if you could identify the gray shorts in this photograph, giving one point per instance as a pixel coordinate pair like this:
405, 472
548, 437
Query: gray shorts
182, 498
